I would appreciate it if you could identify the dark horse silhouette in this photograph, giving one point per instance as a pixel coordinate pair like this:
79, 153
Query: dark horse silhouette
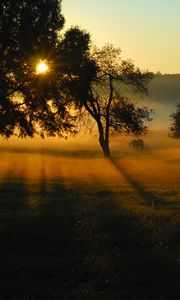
137, 144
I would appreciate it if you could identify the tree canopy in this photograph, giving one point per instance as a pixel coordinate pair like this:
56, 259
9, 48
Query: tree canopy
29, 32
95, 87
80, 78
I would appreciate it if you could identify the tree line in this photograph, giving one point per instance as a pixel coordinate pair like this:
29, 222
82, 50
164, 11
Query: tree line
80, 85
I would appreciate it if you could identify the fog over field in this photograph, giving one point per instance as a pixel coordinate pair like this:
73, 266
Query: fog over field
151, 176
80, 225
81, 158
164, 95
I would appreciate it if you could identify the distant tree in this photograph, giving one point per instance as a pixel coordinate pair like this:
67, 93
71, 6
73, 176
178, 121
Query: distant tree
93, 84
29, 32
175, 123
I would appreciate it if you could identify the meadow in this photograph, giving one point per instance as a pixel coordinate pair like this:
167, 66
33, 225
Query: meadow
74, 225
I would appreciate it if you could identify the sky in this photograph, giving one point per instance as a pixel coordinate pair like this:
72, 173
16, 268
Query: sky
147, 31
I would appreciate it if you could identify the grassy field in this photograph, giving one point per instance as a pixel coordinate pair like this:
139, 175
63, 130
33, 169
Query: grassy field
76, 226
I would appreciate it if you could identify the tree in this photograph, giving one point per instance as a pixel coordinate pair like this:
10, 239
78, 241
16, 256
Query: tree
78, 77
29, 32
94, 86
175, 123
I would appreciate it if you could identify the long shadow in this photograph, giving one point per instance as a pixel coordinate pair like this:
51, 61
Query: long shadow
148, 197
13, 191
79, 246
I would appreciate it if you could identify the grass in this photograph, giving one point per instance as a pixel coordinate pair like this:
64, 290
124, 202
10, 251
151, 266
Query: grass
82, 227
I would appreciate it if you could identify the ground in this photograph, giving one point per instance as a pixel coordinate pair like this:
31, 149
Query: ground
74, 225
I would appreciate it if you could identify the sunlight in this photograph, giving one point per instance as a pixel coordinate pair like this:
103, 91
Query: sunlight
42, 67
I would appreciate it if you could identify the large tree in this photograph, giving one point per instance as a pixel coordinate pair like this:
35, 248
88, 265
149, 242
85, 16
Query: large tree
95, 78
29, 32
78, 77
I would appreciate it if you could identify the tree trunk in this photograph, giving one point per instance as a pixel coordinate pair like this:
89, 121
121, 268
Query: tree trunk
104, 143
104, 132
103, 140
106, 149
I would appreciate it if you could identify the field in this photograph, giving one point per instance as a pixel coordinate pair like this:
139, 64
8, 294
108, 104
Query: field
74, 225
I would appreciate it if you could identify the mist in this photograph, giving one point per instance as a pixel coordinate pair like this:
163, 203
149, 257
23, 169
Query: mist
163, 96
79, 158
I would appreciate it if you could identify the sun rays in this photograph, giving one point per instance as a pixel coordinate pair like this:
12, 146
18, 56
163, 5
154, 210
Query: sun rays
42, 67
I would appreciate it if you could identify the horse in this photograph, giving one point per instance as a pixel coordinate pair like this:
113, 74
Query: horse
137, 144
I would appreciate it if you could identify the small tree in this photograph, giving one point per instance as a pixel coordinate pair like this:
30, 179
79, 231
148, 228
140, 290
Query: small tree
95, 86
175, 123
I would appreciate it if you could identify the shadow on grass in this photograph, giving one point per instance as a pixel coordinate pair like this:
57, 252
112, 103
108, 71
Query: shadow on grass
77, 244
80, 154
148, 197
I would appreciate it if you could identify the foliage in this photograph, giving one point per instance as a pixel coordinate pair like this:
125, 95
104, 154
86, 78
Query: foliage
175, 123
81, 78
126, 117
28, 33
93, 87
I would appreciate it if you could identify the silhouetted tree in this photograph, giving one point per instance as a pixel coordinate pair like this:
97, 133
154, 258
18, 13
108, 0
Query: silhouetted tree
79, 79
93, 82
175, 123
29, 32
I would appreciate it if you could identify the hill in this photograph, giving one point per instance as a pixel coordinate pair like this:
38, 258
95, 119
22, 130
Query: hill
166, 88
164, 95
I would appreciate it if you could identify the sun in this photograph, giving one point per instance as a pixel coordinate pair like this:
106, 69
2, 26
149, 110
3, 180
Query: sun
42, 67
